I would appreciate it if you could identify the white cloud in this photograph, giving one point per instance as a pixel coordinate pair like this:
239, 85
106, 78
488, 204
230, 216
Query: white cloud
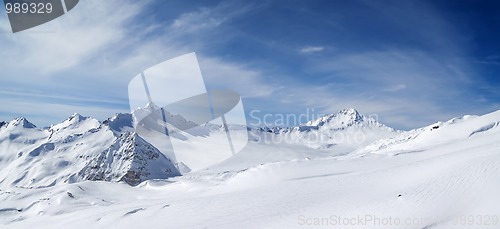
247, 82
83, 61
90, 54
207, 18
198, 20
394, 88
66, 42
311, 49
377, 83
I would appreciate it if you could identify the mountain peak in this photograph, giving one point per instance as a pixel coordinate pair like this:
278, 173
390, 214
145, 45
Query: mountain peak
133, 160
120, 122
23, 122
76, 122
349, 111
151, 106
76, 117
345, 117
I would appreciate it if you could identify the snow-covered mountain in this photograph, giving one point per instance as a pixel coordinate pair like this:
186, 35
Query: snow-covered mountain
432, 177
83, 148
346, 129
77, 149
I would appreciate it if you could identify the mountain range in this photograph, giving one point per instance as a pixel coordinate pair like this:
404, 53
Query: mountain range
86, 173
82, 148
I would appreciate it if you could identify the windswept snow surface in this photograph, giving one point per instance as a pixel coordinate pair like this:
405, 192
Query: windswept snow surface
445, 175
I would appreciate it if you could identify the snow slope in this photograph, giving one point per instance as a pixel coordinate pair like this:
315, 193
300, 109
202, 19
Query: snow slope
458, 131
441, 176
77, 149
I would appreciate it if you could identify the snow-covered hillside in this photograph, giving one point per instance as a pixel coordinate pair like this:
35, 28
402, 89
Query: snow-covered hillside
444, 175
77, 149
345, 130
458, 130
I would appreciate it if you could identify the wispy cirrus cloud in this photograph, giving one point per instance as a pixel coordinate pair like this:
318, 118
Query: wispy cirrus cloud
83, 61
68, 41
397, 87
204, 18
311, 49
377, 83
224, 74
279, 57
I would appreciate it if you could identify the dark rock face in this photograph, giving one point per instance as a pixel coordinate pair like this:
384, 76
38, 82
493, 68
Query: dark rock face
130, 159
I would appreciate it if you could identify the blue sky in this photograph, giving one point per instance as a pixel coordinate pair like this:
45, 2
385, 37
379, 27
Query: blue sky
411, 63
